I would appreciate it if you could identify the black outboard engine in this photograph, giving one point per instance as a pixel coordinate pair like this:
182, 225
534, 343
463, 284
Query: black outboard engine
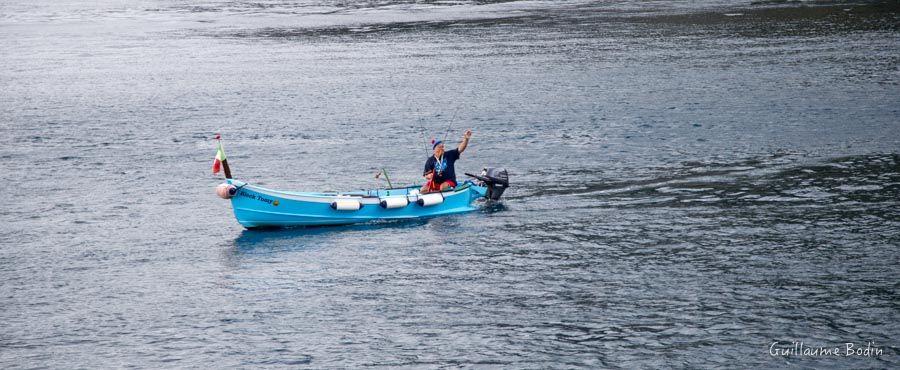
496, 180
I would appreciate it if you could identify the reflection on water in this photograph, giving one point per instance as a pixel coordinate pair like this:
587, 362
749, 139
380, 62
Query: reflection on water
284, 238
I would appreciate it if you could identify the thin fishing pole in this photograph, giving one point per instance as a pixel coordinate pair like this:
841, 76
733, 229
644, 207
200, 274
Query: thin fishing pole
450, 124
424, 133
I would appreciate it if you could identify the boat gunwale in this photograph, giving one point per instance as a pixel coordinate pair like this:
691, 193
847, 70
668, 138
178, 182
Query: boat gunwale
329, 197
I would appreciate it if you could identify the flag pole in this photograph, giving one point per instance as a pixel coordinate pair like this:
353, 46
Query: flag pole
224, 159
225, 167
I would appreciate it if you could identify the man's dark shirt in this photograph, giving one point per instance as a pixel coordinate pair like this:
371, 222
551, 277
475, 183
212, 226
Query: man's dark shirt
444, 168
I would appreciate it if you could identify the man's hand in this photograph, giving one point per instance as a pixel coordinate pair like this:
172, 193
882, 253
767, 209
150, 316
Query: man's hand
465, 141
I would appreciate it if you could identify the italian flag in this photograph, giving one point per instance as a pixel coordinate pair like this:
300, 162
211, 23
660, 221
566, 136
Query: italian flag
220, 156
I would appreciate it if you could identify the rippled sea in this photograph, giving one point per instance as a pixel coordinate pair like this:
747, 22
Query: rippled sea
692, 182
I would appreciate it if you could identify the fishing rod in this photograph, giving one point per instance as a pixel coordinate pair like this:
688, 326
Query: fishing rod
450, 124
386, 177
424, 131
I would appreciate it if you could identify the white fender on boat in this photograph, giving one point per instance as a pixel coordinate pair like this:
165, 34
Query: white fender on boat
346, 205
394, 202
226, 191
431, 199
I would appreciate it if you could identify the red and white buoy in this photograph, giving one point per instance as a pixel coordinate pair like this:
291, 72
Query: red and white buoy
226, 191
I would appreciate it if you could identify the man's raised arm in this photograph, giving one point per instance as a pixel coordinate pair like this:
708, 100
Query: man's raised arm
465, 141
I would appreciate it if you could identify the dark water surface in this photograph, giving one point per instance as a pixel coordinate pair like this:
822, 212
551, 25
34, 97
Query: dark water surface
693, 181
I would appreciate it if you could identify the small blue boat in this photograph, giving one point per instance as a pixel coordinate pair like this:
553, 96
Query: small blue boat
258, 207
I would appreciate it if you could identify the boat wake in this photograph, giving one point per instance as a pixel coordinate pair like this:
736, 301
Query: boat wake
872, 178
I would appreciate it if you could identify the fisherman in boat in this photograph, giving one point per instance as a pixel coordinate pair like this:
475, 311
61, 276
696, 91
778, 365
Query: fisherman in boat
439, 172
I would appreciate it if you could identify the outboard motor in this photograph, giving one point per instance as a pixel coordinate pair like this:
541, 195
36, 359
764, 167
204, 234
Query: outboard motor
496, 180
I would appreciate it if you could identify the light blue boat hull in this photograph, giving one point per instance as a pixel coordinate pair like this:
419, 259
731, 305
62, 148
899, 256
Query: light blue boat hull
256, 206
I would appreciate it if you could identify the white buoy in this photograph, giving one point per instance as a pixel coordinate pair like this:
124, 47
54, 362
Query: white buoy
346, 205
394, 202
426, 200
